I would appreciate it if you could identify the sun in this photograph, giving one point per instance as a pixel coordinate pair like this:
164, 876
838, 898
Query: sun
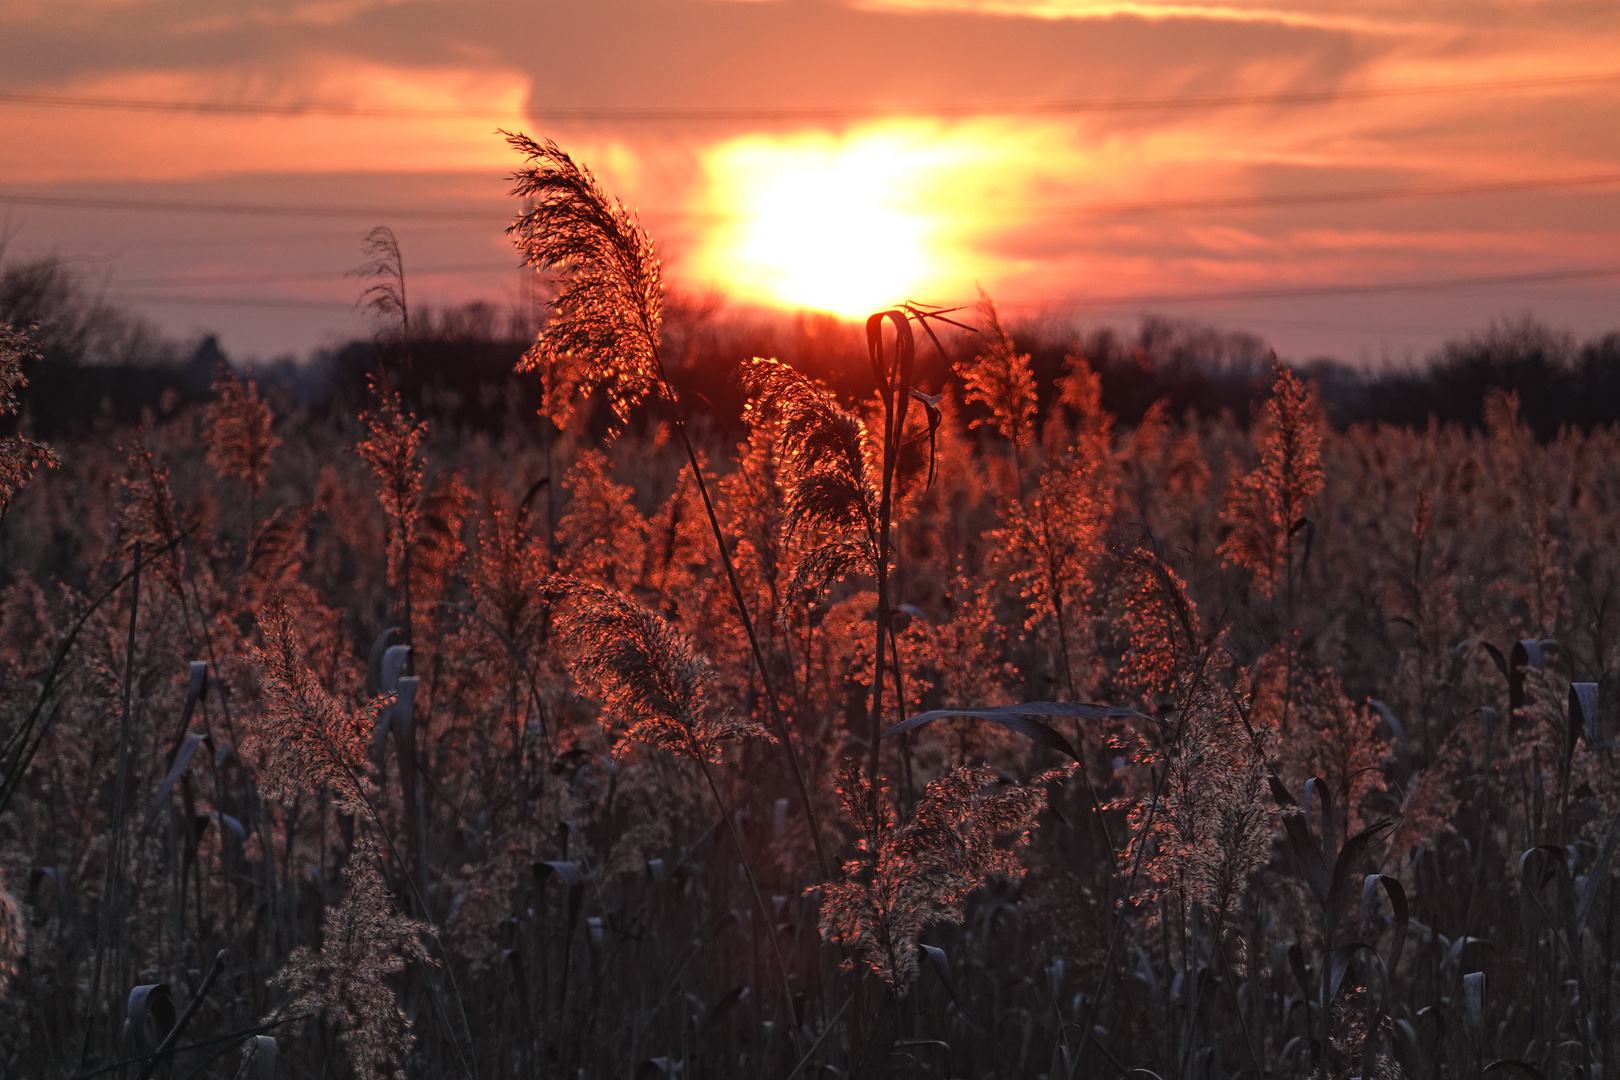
847, 225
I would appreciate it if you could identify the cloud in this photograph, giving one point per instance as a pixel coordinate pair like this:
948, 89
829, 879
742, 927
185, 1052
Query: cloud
67, 143
1348, 21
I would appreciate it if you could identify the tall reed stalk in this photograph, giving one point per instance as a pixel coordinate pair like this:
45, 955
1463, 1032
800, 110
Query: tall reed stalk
605, 332
893, 378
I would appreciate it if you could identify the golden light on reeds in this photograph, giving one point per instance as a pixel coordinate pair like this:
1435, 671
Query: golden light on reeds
844, 224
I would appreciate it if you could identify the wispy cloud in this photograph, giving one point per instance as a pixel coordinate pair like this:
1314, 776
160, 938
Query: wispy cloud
152, 147
1347, 21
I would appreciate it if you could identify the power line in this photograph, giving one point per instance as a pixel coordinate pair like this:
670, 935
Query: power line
327, 275
1310, 198
1080, 302
233, 301
637, 114
1294, 292
1550, 183
161, 206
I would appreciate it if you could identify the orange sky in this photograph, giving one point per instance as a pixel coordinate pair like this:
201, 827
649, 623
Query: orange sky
793, 196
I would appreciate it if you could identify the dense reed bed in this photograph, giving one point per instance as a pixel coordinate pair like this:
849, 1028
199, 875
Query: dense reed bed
949, 730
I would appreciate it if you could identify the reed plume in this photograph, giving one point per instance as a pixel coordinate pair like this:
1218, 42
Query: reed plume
824, 456
393, 449
652, 682
1213, 824
1049, 545
1160, 624
1000, 379
603, 333
968, 825
365, 941
20, 457
386, 295
12, 938
1265, 507
1324, 734
307, 741
237, 431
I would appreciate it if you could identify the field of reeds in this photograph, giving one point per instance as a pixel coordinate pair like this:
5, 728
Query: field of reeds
949, 728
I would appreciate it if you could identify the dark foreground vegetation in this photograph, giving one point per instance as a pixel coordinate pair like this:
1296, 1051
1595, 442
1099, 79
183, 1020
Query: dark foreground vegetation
1021, 708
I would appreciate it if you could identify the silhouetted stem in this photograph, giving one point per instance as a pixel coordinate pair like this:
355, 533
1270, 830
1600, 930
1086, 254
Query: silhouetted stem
759, 898
109, 895
885, 510
778, 720
185, 1018
19, 766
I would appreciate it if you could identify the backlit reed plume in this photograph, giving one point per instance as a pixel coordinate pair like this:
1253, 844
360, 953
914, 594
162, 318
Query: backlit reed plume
11, 938
1000, 379
393, 449
20, 458
968, 825
601, 535
824, 465
1213, 823
1080, 391
151, 513
237, 431
1160, 626
364, 942
651, 681
424, 530
1323, 734
1049, 544
1266, 507
603, 333
755, 498
306, 740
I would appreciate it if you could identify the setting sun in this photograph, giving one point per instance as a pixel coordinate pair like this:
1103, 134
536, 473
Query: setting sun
844, 225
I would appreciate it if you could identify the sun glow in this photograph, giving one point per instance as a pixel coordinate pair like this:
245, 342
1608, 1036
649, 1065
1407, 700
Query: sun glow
845, 225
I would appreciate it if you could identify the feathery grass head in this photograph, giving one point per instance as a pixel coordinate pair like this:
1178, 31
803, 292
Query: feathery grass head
386, 269
603, 332
823, 449
824, 464
968, 825
1160, 625
1001, 379
1264, 507
20, 458
651, 680
307, 740
364, 942
1215, 817
237, 424
15, 347
11, 938
393, 449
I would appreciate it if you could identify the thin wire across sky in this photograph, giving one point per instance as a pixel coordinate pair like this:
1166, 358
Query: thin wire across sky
1019, 210
813, 113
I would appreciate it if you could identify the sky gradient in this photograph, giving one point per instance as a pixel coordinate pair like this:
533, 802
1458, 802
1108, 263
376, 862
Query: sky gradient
1361, 180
